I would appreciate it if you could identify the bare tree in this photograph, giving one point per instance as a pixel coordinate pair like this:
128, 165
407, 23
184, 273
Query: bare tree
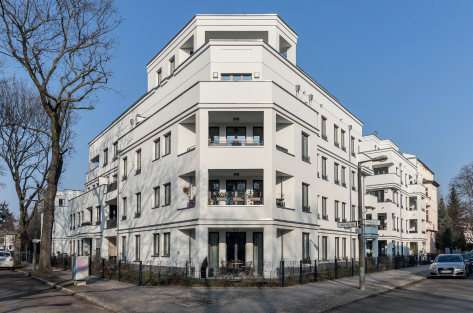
463, 183
64, 46
24, 147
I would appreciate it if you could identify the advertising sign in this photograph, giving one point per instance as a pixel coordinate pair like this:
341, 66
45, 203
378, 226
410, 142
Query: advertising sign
81, 268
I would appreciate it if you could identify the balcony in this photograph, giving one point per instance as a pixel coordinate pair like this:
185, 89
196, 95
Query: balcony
235, 187
112, 187
382, 180
236, 128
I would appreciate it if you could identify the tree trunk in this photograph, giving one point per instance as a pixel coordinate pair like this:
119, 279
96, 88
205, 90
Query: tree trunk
54, 172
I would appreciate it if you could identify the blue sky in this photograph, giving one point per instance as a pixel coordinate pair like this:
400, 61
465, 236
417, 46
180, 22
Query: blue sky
404, 67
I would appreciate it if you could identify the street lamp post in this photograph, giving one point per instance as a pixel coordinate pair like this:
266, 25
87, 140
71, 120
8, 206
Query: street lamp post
361, 227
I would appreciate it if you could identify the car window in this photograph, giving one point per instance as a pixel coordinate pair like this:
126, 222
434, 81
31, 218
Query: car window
449, 258
2, 254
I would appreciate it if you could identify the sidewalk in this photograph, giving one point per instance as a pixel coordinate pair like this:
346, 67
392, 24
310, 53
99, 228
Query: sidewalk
313, 297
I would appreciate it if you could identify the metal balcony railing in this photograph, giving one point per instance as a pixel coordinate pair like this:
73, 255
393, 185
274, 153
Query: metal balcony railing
236, 198
112, 223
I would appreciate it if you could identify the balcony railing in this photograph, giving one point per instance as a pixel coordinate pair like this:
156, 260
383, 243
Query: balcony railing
112, 223
236, 198
111, 187
280, 203
87, 223
246, 141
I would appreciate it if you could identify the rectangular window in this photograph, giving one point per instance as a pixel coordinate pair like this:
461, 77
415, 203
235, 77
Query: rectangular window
138, 205
305, 147
167, 144
124, 253
352, 145
124, 208
337, 213
344, 248
156, 197
258, 135
125, 168
236, 76
342, 140
305, 197
324, 168
167, 194
157, 149
105, 157
337, 248
155, 244
115, 150
324, 208
160, 76
335, 136
214, 135
137, 248
167, 244
138, 161
324, 128
305, 247
98, 216
352, 177
344, 213
343, 175
353, 247
172, 65
335, 173
381, 170
324, 248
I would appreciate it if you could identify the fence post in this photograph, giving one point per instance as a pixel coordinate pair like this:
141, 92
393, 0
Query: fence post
315, 270
119, 269
377, 264
140, 275
103, 268
336, 268
352, 266
281, 265
300, 272
90, 265
366, 264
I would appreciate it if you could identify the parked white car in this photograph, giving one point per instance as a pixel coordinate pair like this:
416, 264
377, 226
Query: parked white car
6, 260
451, 265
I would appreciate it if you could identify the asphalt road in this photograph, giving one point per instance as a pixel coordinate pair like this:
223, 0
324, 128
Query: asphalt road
429, 296
19, 293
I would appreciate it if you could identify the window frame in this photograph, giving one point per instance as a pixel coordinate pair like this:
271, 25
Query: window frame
167, 194
166, 244
156, 244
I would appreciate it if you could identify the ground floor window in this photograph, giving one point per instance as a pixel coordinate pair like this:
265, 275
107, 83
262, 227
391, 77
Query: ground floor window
305, 246
155, 244
344, 248
124, 248
167, 244
337, 248
137, 247
324, 248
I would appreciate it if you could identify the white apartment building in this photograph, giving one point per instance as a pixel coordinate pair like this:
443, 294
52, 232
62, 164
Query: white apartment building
405, 200
233, 154
61, 233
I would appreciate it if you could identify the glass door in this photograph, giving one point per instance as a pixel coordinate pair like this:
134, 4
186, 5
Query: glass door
258, 252
213, 254
236, 190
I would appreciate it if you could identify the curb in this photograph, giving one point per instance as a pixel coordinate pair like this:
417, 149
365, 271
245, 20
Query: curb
71, 292
375, 294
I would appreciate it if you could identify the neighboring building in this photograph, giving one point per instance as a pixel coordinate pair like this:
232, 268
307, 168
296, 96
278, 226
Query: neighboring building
405, 199
60, 233
234, 154
7, 240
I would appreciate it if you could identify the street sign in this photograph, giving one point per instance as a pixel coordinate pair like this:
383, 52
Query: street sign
371, 222
352, 224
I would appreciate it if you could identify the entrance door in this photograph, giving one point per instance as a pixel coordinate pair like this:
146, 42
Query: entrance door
213, 254
258, 252
236, 191
236, 242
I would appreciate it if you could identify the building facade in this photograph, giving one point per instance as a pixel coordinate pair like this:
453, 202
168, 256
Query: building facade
233, 155
61, 232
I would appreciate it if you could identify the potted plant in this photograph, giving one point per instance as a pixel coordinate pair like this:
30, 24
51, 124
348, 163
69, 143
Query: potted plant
221, 198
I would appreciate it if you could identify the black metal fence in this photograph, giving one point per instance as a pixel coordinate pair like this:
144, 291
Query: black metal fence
286, 272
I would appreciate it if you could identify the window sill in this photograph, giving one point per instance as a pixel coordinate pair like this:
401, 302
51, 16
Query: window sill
155, 207
155, 256
166, 154
156, 159
138, 172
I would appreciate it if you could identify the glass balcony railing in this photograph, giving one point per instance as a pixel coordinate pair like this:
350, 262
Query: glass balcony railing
236, 198
239, 141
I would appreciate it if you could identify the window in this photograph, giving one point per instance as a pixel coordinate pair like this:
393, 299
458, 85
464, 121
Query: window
352, 145
335, 136
305, 247
155, 244
337, 213
305, 147
98, 216
125, 167
124, 210
353, 247
105, 157
379, 195
138, 205
138, 161
342, 140
324, 168
324, 208
343, 175
167, 244
214, 134
353, 185
236, 76
353, 213
324, 128
337, 248
157, 149
167, 194
167, 144
156, 197
380, 170
344, 248
115, 150
335, 173
305, 197
137, 247
172, 65
258, 135
61, 202
344, 213
124, 248
160, 76
324, 248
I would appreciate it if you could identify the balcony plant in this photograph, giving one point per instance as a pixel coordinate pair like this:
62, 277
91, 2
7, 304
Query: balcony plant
222, 198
